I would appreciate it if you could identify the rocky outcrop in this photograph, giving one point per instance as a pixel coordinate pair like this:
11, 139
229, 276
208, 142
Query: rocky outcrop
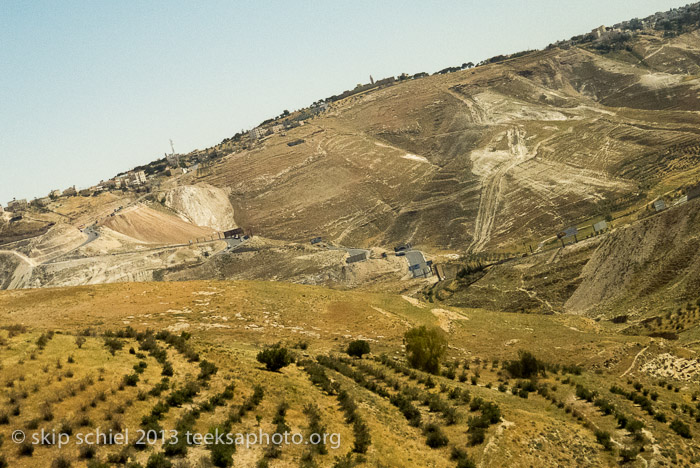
202, 204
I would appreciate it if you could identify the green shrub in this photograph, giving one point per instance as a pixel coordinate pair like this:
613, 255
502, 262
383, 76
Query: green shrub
26, 449
221, 454
87, 452
275, 357
131, 380
362, 436
477, 435
99, 464
113, 345
344, 462
358, 348
167, 369
526, 366
60, 462
603, 439
42, 341
140, 367
628, 454
435, 437
466, 463
634, 426
158, 460
206, 370
681, 428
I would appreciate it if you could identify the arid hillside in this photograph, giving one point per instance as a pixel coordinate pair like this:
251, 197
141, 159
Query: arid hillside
647, 272
492, 160
481, 159
80, 365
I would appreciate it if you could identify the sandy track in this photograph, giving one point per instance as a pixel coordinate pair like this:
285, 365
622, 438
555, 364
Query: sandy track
634, 362
492, 188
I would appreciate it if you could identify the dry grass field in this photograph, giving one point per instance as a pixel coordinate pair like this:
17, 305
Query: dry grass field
50, 383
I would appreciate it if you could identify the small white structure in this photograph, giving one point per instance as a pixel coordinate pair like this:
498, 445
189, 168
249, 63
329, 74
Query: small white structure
600, 226
659, 205
598, 32
137, 178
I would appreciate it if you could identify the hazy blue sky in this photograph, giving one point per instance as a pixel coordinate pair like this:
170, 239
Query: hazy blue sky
92, 88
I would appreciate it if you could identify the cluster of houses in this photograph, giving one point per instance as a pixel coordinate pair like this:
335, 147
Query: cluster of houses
262, 130
605, 32
321, 106
131, 179
259, 132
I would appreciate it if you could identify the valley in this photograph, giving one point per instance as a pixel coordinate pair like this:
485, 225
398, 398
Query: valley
491, 265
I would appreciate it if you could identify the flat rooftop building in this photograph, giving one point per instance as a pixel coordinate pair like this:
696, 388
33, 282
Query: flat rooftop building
17, 205
257, 133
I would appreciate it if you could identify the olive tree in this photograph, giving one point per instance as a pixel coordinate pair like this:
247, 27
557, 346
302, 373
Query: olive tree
425, 347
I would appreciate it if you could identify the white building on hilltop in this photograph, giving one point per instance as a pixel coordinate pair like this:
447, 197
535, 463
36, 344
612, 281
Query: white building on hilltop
257, 133
138, 178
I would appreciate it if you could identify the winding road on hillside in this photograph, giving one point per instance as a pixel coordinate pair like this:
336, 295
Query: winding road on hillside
24, 270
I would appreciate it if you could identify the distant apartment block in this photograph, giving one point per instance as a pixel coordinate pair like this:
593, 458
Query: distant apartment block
43, 201
137, 178
176, 171
17, 205
257, 133
277, 128
55, 193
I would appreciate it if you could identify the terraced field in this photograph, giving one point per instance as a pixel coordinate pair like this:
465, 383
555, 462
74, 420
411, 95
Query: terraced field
478, 160
602, 395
